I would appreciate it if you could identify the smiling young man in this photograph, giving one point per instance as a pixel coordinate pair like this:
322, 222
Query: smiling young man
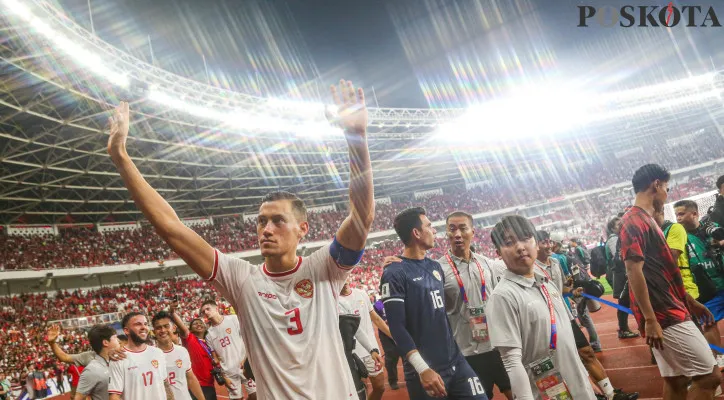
94, 379
142, 375
530, 323
659, 302
178, 363
412, 292
285, 305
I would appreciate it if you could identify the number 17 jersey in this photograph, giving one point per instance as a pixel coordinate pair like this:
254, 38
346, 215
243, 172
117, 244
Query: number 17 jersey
420, 285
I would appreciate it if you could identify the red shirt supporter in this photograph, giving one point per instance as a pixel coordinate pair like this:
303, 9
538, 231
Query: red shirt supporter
641, 239
200, 361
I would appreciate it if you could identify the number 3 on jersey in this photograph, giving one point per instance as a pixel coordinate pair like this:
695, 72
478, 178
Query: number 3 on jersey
436, 299
294, 324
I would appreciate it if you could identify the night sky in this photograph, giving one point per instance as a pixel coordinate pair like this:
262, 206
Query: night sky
414, 53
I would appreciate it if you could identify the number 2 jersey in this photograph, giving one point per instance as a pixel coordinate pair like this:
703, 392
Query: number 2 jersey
225, 339
178, 363
290, 325
140, 376
419, 284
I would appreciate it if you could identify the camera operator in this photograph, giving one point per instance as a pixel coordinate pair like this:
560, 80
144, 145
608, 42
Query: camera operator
704, 249
580, 273
716, 213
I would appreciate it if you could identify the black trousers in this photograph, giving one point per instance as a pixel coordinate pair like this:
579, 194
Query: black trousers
391, 357
209, 393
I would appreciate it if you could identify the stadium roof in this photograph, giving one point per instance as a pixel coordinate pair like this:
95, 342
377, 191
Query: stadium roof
54, 106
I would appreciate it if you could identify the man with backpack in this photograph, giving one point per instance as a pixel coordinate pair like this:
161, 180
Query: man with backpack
617, 270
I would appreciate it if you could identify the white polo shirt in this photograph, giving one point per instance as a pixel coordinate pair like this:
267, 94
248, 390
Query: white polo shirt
457, 312
519, 317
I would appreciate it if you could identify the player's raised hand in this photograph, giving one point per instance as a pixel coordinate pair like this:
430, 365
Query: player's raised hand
52, 334
351, 108
432, 383
119, 123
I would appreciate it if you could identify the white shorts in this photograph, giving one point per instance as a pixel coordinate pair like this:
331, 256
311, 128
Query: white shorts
238, 381
372, 369
685, 353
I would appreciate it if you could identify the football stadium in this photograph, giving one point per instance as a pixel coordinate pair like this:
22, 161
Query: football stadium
277, 199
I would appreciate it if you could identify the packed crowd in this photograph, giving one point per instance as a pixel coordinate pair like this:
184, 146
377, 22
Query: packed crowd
84, 246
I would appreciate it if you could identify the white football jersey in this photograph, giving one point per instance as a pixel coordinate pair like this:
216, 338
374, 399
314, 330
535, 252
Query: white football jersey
226, 341
289, 323
178, 363
358, 303
140, 376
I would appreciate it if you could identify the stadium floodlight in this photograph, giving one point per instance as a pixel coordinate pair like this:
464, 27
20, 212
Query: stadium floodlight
79, 54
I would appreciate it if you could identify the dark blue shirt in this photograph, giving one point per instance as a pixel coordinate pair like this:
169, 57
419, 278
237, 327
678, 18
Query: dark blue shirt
419, 285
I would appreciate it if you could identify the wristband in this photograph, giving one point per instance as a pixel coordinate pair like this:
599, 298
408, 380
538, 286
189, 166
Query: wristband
417, 362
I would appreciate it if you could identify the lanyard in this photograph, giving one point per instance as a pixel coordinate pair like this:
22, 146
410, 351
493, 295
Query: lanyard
554, 330
460, 281
544, 271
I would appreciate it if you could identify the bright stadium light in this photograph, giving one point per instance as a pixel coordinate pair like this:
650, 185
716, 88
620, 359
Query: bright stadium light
76, 51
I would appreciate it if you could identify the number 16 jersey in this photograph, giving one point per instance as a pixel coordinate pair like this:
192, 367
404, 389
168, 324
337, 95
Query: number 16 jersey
420, 285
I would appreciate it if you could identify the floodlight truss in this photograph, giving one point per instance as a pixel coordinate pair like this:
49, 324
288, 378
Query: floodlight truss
53, 131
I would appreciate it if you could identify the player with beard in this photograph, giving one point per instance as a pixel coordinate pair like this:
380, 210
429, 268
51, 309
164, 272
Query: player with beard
224, 337
285, 305
142, 375
193, 338
659, 302
413, 291
550, 268
178, 363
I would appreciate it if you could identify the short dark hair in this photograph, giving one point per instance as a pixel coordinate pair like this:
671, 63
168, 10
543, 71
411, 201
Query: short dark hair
99, 333
611, 225
689, 205
208, 301
406, 221
297, 204
542, 235
719, 182
519, 225
127, 317
161, 315
459, 214
648, 174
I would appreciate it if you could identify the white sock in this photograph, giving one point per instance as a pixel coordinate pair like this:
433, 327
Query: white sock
607, 388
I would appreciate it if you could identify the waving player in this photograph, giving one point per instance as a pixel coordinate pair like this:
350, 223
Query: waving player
286, 305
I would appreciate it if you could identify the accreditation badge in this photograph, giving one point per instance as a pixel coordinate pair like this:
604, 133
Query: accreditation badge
478, 324
548, 380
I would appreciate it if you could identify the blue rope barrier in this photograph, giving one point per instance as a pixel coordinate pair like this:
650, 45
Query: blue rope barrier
628, 311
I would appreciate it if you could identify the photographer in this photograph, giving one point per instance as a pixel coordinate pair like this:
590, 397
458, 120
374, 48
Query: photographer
716, 214
704, 250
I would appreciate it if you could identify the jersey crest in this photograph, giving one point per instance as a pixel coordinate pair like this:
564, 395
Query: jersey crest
305, 288
179, 363
154, 363
228, 330
436, 275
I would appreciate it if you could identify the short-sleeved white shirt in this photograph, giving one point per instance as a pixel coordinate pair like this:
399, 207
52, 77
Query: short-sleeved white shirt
140, 375
290, 325
225, 339
358, 303
457, 312
178, 363
519, 317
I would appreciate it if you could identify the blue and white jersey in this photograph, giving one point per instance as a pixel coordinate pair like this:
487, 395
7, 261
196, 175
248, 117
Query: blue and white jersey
419, 284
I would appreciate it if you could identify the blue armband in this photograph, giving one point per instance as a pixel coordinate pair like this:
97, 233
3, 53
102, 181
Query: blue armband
345, 256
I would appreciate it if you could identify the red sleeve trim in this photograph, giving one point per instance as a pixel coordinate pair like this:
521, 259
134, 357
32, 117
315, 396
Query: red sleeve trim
112, 392
188, 370
342, 267
216, 266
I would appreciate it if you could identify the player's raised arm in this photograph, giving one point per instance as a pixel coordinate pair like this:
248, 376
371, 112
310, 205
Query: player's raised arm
185, 242
352, 117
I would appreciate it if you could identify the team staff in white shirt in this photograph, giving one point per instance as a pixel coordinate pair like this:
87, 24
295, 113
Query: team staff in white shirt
178, 362
529, 322
142, 375
289, 303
